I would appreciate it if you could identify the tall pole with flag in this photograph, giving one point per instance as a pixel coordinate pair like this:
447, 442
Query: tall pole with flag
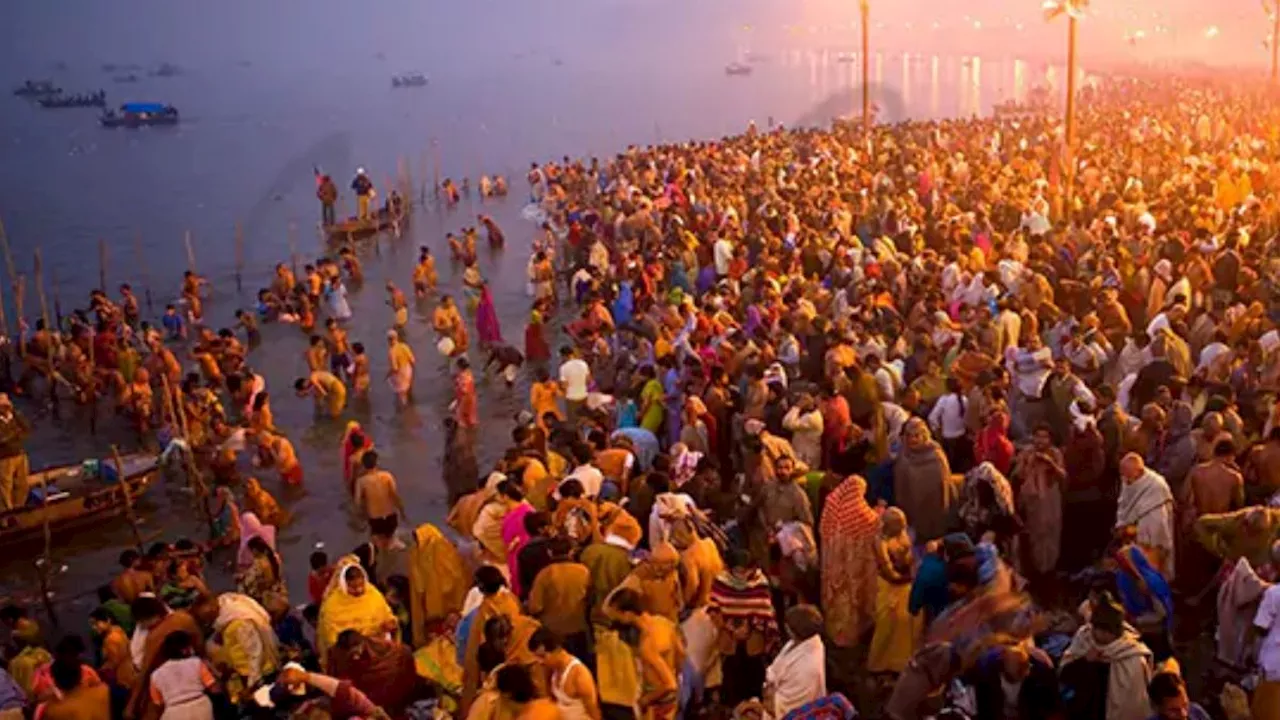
1074, 10
865, 7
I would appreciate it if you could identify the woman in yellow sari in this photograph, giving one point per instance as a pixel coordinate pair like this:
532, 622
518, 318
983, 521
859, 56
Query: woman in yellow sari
438, 582
896, 629
448, 323
260, 503
351, 602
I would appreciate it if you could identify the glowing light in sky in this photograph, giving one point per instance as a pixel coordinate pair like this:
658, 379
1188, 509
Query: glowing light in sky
1211, 32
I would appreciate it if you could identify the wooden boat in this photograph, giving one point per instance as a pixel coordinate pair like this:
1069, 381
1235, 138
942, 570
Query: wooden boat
97, 99
133, 115
407, 80
84, 494
37, 89
737, 68
354, 228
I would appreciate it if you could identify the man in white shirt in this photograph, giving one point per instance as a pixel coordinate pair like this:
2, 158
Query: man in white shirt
575, 377
1266, 622
723, 250
588, 475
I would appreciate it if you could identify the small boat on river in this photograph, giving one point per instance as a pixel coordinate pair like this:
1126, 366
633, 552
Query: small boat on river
737, 68
134, 115
96, 99
37, 89
408, 80
79, 495
391, 216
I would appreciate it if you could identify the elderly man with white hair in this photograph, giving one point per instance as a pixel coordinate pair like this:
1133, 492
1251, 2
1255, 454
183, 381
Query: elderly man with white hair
1146, 505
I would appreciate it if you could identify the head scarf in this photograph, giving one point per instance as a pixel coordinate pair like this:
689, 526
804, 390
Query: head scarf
438, 582
846, 511
251, 527
340, 611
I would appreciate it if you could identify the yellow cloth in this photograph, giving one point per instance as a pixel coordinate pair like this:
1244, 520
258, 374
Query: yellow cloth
616, 670
502, 604
437, 661
438, 582
340, 611
23, 667
894, 640
1266, 701
399, 356
559, 597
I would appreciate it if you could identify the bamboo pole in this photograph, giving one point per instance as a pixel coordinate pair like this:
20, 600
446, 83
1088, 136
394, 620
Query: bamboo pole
102, 265
142, 267
128, 497
38, 271
239, 256
92, 390
191, 253
19, 300
45, 562
8, 255
293, 247
194, 479
57, 297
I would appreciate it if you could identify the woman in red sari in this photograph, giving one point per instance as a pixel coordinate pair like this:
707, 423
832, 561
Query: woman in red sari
993, 445
848, 530
536, 349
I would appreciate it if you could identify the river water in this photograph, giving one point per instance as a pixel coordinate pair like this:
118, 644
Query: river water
269, 90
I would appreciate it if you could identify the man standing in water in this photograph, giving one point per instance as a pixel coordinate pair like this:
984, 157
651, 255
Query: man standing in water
400, 362
377, 496
363, 188
14, 430
327, 194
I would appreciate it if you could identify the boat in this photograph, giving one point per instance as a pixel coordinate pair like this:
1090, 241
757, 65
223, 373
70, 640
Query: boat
389, 217
737, 68
130, 78
132, 115
165, 69
413, 79
79, 495
97, 99
37, 89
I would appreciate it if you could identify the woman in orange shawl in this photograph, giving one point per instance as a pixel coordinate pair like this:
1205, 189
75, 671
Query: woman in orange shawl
993, 445
438, 582
848, 531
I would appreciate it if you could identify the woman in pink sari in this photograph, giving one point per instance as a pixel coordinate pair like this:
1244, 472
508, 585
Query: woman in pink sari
487, 320
515, 537
251, 527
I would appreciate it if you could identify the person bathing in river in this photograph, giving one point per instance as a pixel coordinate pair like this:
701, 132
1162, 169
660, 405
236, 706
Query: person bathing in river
448, 323
496, 238
507, 359
400, 362
329, 392
424, 274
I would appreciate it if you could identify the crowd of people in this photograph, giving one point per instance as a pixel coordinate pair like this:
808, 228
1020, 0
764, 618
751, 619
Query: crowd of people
922, 421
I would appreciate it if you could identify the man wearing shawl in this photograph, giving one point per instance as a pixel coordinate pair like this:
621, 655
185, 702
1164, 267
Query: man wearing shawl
848, 532
922, 483
351, 602
437, 582
248, 644
1146, 504
1040, 474
497, 602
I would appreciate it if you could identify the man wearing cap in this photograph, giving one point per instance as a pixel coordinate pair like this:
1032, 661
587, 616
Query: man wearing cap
14, 430
363, 188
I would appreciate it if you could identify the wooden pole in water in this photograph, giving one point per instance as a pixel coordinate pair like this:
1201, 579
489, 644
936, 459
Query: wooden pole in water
435, 184
194, 480
128, 497
239, 256
293, 247
102, 265
44, 316
91, 392
142, 267
191, 253
57, 296
19, 300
